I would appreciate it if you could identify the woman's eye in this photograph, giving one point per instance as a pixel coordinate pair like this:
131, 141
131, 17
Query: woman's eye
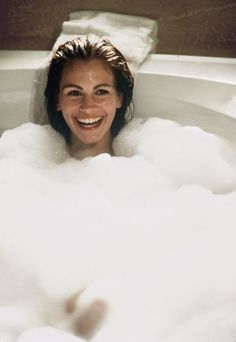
74, 93
102, 92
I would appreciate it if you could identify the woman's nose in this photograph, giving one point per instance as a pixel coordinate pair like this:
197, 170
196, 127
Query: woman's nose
87, 103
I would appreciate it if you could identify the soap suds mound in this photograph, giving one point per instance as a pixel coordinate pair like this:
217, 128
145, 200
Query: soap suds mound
151, 232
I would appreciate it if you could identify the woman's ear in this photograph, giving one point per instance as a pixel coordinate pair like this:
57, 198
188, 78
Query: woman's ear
119, 100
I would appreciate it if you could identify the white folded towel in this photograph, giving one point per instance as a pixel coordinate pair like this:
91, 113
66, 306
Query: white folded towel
134, 36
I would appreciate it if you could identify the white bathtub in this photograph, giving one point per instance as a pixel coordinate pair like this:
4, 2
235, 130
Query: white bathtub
199, 91
175, 231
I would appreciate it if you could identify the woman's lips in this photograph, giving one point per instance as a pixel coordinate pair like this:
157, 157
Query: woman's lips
89, 123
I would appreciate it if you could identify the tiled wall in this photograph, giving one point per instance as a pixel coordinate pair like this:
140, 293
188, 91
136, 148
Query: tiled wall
192, 27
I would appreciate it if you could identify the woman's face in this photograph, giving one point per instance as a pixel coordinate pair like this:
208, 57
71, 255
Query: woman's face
88, 99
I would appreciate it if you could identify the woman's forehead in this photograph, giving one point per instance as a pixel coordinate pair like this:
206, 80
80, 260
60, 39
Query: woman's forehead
88, 68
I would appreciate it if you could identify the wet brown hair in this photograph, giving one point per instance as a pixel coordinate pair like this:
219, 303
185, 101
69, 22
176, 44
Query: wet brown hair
86, 48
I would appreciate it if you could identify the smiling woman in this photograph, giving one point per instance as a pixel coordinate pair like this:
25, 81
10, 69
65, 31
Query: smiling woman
88, 92
88, 100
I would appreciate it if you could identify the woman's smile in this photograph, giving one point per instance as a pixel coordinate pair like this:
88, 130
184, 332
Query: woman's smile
90, 123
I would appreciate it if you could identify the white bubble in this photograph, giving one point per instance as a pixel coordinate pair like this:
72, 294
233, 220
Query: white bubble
186, 155
151, 232
47, 334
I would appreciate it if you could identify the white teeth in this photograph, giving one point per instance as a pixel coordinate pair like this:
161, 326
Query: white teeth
89, 121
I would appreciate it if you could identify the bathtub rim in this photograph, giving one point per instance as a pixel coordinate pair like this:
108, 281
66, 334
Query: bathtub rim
17, 59
217, 69
187, 69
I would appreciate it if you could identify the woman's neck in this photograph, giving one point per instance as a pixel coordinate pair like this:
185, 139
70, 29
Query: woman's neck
79, 150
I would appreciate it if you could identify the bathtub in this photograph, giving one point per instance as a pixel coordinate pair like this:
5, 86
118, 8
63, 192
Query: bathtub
198, 91
182, 234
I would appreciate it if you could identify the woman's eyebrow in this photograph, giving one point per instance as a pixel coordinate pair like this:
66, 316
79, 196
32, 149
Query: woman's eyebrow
72, 85
77, 86
104, 85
